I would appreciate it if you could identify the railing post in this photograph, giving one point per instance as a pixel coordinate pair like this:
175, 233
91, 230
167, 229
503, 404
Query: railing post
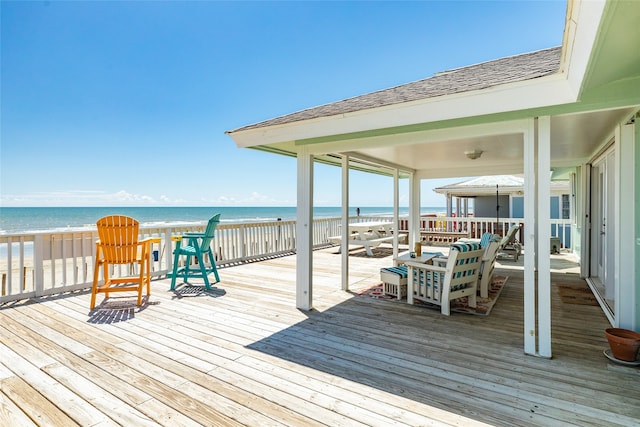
241, 242
168, 249
38, 264
279, 236
22, 271
9, 264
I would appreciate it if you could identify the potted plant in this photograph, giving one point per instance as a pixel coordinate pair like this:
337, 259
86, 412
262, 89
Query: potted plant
624, 343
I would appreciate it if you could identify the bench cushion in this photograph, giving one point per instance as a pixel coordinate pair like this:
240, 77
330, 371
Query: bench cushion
465, 247
394, 281
401, 270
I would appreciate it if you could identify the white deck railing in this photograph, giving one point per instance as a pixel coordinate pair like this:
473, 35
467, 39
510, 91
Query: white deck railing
475, 227
52, 262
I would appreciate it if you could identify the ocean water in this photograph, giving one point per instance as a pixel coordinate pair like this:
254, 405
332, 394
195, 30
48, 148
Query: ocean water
22, 220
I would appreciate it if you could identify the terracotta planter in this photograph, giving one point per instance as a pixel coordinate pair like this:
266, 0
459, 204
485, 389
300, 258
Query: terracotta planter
624, 343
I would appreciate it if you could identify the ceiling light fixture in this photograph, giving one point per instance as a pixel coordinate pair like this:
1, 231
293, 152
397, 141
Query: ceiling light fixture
473, 154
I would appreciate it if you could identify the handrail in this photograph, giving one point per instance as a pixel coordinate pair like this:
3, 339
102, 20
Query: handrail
474, 227
50, 262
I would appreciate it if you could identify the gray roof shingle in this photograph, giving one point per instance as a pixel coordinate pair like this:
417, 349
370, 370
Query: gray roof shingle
474, 77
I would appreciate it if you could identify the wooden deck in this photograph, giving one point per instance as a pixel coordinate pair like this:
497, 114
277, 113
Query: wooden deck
244, 355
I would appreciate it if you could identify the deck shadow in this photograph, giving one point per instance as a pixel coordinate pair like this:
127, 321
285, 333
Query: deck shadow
387, 346
189, 290
118, 309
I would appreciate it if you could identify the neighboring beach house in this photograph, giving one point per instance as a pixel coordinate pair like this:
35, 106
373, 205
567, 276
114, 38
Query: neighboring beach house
569, 110
502, 196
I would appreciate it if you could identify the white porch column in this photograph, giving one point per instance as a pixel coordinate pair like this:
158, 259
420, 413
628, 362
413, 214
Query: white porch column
529, 240
304, 231
344, 243
585, 235
449, 211
544, 235
414, 210
396, 210
627, 297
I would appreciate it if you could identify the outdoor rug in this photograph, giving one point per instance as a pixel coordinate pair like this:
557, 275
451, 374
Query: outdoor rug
460, 305
575, 293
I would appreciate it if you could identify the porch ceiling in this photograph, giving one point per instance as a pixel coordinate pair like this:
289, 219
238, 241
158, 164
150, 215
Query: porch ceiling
574, 137
438, 154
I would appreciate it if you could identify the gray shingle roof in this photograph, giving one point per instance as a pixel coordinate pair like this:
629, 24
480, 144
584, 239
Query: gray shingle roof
475, 77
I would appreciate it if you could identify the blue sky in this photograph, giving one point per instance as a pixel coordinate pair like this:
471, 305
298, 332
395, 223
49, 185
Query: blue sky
126, 103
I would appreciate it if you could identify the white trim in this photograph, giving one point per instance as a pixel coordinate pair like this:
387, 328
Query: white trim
581, 31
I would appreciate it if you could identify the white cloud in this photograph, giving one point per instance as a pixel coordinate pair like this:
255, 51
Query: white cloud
125, 198
77, 198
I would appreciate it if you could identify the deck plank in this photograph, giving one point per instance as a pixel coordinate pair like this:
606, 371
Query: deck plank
33, 405
243, 354
10, 413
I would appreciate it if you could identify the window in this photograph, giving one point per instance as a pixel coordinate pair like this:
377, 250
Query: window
566, 207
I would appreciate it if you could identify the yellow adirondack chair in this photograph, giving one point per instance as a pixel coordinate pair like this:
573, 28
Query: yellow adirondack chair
119, 245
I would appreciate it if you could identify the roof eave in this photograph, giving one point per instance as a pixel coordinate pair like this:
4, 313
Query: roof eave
524, 95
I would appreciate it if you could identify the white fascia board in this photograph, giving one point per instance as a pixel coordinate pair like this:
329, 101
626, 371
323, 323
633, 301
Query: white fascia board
541, 92
581, 32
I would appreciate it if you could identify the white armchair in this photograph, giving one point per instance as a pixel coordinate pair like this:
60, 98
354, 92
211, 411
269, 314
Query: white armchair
441, 284
486, 268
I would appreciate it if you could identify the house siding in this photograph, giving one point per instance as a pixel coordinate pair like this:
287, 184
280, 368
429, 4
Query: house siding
517, 207
485, 206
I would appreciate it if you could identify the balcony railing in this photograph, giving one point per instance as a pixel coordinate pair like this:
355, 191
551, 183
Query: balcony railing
51, 262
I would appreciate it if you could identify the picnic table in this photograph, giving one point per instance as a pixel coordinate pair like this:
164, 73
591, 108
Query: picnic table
369, 234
